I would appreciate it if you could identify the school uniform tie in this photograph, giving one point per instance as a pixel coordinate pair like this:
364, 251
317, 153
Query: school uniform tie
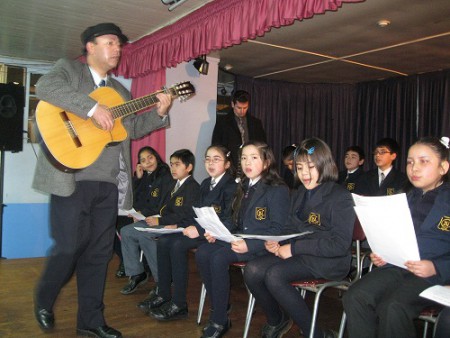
381, 178
248, 190
177, 186
212, 184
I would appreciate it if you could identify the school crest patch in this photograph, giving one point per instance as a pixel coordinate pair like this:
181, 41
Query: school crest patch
179, 201
260, 213
217, 209
350, 186
390, 191
444, 223
314, 218
155, 192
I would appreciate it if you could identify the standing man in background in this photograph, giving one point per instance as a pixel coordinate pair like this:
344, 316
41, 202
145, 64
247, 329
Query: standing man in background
237, 126
84, 203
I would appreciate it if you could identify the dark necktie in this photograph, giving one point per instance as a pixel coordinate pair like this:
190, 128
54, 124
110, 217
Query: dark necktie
102, 83
241, 129
212, 184
248, 190
382, 177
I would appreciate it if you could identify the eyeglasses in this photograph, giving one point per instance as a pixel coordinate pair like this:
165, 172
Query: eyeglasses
214, 160
381, 152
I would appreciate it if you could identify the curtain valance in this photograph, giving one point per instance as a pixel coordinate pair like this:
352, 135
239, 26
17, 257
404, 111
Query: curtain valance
218, 24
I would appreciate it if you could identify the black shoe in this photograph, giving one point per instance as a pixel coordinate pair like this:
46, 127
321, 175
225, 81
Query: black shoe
277, 331
169, 311
120, 273
145, 304
154, 303
213, 330
134, 282
45, 318
327, 333
101, 332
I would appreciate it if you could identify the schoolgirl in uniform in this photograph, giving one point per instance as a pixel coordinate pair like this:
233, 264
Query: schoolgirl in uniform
151, 187
322, 206
216, 191
260, 207
385, 302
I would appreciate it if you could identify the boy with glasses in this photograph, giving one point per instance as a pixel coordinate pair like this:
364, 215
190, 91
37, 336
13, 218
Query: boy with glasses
385, 179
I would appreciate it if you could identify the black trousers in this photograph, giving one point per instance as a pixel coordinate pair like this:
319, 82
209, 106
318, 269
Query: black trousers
173, 265
82, 226
269, 280
384, 304
213, 262
443, 324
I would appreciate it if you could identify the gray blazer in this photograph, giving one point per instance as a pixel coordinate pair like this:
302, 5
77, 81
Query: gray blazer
67, 86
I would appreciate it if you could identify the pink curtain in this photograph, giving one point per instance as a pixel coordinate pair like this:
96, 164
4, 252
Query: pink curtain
218, 24
143, 86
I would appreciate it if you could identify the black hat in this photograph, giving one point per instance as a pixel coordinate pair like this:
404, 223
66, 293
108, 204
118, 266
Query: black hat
102, 29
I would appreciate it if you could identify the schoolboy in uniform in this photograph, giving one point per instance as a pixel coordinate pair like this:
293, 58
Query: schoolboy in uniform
178, 209
354, 161
385, 180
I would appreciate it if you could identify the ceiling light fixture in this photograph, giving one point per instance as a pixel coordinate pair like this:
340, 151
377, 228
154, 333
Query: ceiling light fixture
173, 3
383, 23
201, 65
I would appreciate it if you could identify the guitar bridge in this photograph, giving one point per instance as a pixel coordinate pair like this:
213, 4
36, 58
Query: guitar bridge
71, 130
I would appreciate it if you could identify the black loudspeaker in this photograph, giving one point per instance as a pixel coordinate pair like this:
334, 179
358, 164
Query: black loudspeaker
12, 101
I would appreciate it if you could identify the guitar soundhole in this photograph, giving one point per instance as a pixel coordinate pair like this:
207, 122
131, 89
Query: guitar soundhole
71, 130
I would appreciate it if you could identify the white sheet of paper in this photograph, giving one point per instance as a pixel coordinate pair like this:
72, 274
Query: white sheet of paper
133, 213
437, 293
161, 231
273, 238
387, 223
208, 220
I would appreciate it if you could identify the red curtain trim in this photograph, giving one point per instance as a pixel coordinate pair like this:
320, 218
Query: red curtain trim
218, 24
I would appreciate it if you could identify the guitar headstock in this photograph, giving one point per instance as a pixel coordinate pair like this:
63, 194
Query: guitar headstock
183, 90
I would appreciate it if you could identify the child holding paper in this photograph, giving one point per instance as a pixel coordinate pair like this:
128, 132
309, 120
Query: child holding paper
260, 207
151, 186
216, 191
324, 207
385, 301
185, 192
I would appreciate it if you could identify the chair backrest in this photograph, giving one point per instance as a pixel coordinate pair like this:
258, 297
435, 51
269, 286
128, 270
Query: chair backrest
358, 232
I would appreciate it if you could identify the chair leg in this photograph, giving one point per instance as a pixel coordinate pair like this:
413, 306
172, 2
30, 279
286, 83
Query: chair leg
201, 304
250, 308
315, 310
342, 326
425, 329
248, 318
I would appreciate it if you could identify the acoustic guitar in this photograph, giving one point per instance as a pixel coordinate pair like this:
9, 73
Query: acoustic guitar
76, 143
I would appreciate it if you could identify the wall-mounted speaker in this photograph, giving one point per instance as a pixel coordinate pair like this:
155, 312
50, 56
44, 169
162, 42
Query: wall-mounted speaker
12, 102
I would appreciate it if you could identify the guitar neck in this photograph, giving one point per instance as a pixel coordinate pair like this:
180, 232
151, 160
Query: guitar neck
141, 103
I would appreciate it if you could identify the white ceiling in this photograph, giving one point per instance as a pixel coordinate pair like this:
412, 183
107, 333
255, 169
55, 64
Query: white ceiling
345, 46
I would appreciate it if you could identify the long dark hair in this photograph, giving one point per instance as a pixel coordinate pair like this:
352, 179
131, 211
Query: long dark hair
162, 166
318, 152
269, 175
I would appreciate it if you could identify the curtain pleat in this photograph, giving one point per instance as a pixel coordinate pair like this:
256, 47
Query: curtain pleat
218, 24
140, 87
404, 108
434, 104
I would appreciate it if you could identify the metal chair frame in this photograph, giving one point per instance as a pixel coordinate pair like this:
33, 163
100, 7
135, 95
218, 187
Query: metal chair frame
250, 306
